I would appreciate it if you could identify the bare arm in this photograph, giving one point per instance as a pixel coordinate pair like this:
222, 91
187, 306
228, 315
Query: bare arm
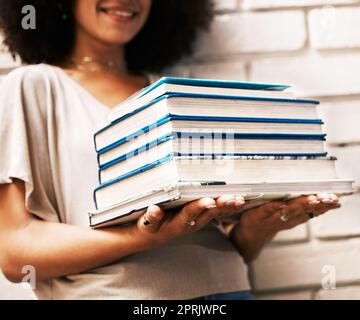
56, 249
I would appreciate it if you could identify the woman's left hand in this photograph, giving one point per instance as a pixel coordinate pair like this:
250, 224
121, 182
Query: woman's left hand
260, 225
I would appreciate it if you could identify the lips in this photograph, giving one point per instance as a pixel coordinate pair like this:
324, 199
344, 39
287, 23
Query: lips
117, 10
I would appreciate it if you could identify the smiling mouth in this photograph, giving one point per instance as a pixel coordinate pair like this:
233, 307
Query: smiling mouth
120, 13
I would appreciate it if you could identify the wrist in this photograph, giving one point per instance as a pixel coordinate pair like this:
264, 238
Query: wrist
144, 241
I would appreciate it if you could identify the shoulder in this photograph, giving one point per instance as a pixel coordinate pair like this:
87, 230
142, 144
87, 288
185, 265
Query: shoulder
28, 88
31, 75
35, 83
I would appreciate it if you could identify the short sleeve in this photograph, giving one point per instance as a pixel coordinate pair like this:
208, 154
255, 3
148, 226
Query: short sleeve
24, 154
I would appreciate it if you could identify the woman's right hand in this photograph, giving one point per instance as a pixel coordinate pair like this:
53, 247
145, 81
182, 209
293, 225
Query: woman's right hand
159, 227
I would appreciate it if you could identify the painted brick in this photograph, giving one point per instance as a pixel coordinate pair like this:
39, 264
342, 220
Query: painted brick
229, 70
271, 4
312, 75
348, 293
298, 234
343, 222
334, 28
234, 33
347, 165
342, 119
301, 265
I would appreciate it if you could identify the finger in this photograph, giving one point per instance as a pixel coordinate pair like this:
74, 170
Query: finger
328, 198
227, 201
268, 210
299, 206
307, 204
228, 205
322, 203
182, 221
223, 209
151, 221
293, 211
324, 208
314, 210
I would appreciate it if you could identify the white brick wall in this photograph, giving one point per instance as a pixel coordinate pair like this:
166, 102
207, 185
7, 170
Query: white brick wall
333, 28
277, 4
313, 45
229, 34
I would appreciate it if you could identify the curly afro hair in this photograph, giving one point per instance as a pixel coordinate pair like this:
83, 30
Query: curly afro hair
167, 36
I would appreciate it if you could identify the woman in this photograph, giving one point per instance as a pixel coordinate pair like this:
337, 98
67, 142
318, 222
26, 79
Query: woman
85, 56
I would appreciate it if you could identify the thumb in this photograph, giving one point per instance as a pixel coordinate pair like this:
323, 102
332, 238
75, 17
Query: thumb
151, 221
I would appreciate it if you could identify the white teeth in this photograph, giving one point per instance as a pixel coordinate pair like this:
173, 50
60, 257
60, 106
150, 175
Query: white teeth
121, 13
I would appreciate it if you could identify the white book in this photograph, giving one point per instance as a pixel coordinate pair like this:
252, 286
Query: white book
149, 133
198, 86
172, 170
118, 163
236, 112
177, 195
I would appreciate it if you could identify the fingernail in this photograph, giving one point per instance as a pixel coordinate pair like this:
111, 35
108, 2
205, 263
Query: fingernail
239, 203
230, 203
152, 212
323, 195
327, 201
211, 207
284, 206
314, 201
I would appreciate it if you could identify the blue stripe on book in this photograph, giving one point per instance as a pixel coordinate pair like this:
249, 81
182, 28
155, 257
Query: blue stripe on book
249, 136
172, 117
138, 133
137, 151
245, 119
211, 83
216, 155
130, 114
225, 84
201, 96
145, 168
209, 135
241, 98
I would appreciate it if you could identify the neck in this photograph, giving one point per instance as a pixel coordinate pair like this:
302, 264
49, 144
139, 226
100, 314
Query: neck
87, 47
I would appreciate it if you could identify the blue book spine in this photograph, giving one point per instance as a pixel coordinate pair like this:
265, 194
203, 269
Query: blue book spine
131, 174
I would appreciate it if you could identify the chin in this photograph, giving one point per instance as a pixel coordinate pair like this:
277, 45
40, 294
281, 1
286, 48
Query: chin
116, 39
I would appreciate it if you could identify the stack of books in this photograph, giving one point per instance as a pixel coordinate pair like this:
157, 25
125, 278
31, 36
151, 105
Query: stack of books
180, 139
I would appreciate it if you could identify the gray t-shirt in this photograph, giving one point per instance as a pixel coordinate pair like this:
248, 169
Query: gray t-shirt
47, 122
